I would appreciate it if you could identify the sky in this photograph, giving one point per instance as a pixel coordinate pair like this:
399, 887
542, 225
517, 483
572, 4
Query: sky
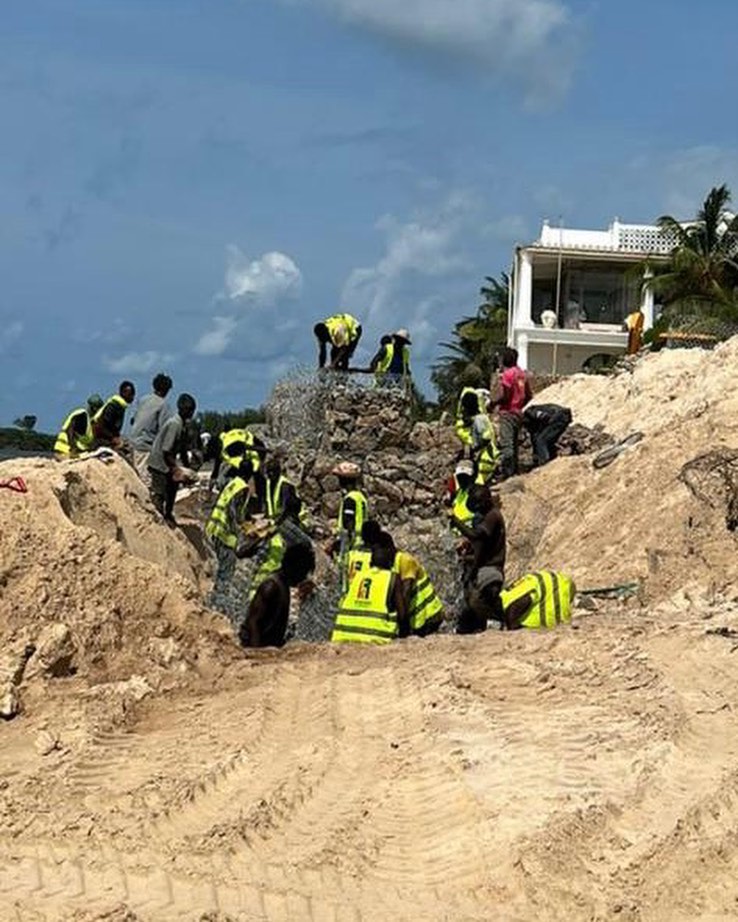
188, 186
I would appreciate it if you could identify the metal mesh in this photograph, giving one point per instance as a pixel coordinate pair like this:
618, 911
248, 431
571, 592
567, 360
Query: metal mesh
713, 479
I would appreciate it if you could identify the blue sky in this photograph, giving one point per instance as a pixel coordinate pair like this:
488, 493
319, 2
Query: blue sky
188, 185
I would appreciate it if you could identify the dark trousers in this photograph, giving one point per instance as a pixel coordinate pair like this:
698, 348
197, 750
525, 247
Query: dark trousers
509, 429
544, 440
163, 491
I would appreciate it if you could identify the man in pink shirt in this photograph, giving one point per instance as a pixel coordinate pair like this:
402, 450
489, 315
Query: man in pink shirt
510, 395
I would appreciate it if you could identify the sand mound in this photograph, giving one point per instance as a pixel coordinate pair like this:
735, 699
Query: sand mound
83, 548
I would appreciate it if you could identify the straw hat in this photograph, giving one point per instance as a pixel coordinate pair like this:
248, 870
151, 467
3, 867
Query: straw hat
347, 469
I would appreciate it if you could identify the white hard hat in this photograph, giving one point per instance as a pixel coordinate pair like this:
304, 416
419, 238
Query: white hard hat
465, 467
404, 334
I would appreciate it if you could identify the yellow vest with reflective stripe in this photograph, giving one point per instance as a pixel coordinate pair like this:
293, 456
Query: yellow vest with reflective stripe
84, 442
333, 323
363, 612
423, 604
463, 428
552, 594
235, 436
387, 357
460, 509
360, 503
217, 526
116, 398
271, 563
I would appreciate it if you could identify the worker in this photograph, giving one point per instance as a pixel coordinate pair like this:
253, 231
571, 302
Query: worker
151, 414
457, 495
391, 364
373, 608
634, 323
424, 608
269, 610
224, 529
287, 530
76, 435
107, 423
169, 463
278, 489
542, 599
352, 513
484, 451
342, 332
472, 401
228, 449
510, 393
485, 551
545, 423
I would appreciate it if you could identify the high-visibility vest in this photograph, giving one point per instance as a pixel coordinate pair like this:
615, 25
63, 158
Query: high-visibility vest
488, 458
338, 320
388, 355
462, 427
217, 526
274, 496
460, 509
83, 442
357, 559
236, 437
360, 503
364, 615
271, 563
552, 597
116, 398
423, 604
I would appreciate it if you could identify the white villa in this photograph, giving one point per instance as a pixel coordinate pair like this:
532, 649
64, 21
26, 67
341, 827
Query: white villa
571, 291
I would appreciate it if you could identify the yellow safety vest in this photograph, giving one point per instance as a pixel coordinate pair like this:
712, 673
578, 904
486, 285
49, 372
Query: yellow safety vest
463, 428
337, 320
217, 526
363, 612
116, 398
236, 436
360, 502
271, 563
358, 559
488, 458
424, 605
460, 509
388, 356
552, 594
84, 442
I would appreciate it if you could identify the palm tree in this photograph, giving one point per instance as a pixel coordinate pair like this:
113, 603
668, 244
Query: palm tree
701, 277
476, 342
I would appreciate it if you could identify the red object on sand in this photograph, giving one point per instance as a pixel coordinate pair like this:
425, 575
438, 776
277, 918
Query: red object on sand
17, 484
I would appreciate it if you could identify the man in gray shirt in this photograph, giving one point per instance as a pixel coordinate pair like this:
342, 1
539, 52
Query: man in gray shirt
152, 412
169, 448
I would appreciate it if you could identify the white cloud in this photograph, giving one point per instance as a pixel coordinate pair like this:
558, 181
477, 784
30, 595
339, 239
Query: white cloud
257, 285
137, 362
418, 254
533, 40
215, 341
271, 278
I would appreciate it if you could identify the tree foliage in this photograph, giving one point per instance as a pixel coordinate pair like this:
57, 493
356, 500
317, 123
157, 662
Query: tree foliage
475, 343
27, 422
216, 421
700, 279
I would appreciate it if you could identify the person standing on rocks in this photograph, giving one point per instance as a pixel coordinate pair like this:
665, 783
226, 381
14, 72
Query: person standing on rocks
342, 332
76, 435
391, 364
107, 423
457, 496
352, 514
151, 414
224, 529
484, 561
269, 610
169, 448
472, 402
510, 394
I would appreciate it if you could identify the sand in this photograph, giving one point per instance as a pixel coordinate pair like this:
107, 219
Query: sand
585, 773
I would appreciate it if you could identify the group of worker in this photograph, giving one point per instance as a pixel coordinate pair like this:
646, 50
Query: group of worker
158, 445
258, 515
